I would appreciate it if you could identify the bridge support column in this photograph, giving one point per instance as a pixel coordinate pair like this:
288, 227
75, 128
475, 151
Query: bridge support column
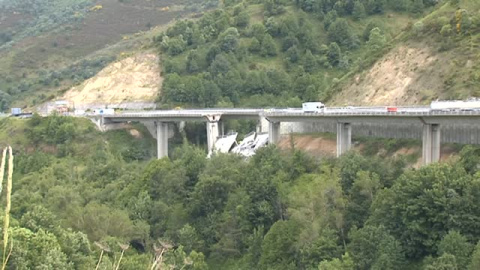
431, 143
212, 134
344, 138
213, 131
273, 132
162, 139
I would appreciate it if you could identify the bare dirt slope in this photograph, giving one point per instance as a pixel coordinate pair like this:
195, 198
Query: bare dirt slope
324, 147
409, 74
314, 145
133, 79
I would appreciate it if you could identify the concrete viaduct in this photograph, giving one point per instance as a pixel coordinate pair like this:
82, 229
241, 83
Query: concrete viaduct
344, 118
158, 122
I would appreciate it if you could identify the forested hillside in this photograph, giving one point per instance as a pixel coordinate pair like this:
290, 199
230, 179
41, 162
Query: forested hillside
46, 46
78, 193
83, 199
280, 52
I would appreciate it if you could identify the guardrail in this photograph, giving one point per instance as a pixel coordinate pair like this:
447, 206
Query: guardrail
377, 113
332, 111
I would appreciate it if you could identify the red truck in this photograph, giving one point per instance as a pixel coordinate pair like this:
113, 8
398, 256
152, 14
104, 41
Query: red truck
392, 109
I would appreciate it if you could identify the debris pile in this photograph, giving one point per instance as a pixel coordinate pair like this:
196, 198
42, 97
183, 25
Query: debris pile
247, 147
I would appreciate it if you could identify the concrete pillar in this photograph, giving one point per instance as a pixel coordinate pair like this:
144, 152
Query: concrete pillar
213, 131
273, 132
431, 143
344, 138
212, 134
162, 139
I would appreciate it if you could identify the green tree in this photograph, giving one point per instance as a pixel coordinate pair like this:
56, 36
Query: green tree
358, 10
439, 195
278, 247
310, 62
254, 251
334, 54
257, 31
174, 46
362, 194
341, 33
192, 159
345, 263
376, 40
376, 6
470, 158
417, 6
279, 81
274, 7
400, 5
368, 29
193, 60
444, 262
447, 30
457, 245
374, 248
39, 250
319, 200
165, 181
254, 45
173, 89
475, 261
330, 18
269, 48
242, 19
189, 238
418, 28
221, 65
323, 248
229, 40
5, 101
293, 54
289, 41
197, 38
272, 27
99, 221
231, 84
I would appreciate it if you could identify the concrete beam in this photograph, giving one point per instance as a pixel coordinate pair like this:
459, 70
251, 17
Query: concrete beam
162, 139
273, 132
431, 143
344, 138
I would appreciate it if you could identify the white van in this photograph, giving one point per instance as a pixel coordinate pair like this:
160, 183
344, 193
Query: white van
103, 111
313, 107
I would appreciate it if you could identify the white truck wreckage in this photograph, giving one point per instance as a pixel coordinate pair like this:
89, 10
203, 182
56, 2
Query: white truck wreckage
247, 147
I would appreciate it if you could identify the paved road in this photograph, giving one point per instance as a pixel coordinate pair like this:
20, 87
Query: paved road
413, 111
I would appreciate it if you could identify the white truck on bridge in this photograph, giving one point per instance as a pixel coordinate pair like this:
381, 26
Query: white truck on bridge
454, 105
104, 111
313, 107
